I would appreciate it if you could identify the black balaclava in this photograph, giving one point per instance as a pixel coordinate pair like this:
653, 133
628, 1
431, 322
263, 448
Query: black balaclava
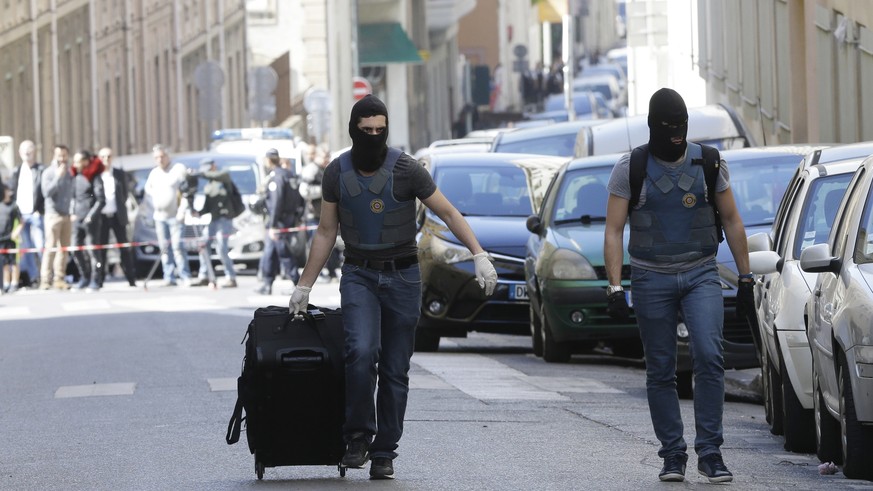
667, 108
368, 151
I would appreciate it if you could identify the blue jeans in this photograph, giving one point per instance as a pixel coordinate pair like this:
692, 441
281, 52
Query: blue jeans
172, 228
32, 235
380, 312
219, 229
658, 299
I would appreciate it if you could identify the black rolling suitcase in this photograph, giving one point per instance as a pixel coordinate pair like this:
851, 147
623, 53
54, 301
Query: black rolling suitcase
292, 389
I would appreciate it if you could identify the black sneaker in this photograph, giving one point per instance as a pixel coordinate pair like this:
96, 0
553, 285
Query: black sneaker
674, 468
712, 466
356, 453
382, 468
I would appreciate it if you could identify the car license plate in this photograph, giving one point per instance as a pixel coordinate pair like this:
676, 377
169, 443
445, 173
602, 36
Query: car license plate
518, 291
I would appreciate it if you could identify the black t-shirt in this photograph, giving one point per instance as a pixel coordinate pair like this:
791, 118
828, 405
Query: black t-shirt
8, 214
411, 181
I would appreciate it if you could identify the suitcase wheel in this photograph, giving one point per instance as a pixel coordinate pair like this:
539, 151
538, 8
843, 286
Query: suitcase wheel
259, 468
342, 470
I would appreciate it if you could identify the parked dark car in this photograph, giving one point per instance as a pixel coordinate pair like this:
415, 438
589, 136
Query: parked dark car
246, 242
496, 192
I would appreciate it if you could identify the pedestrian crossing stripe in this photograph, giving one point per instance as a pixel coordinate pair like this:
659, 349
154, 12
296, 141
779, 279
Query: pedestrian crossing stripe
91, 390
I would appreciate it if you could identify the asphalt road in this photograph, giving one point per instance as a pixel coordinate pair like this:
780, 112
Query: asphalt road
132, 389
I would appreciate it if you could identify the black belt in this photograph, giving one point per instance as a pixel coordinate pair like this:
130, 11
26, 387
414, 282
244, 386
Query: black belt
391, 265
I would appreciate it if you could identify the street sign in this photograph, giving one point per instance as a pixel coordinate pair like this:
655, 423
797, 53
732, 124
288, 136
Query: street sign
209, 78
318, 104
262, 102
360, 87
520, 50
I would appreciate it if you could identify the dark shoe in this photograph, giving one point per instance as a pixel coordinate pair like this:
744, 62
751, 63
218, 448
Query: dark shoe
200, 282
356, 453
712, 466
674, 468
382, 468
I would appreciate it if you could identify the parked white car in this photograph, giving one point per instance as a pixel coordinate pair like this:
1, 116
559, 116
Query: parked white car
840, 330
804, 218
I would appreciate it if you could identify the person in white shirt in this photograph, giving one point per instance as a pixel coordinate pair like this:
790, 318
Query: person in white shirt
114, 219
28, 196
162, 188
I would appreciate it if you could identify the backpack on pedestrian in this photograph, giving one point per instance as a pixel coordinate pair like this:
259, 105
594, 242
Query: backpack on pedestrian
237, 207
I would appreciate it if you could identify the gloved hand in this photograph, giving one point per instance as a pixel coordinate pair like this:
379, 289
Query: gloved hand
617, 307
299, 299
486, 275
745, 299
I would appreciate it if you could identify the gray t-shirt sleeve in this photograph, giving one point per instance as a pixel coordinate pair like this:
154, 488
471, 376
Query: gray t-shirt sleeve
619, 180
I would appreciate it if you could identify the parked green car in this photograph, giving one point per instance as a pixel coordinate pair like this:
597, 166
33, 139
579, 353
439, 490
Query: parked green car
564, 267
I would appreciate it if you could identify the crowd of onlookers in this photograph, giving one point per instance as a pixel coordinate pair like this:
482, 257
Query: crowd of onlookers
55, 209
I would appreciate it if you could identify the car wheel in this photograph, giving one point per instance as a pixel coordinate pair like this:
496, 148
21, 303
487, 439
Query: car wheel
857, 440
797, 422
426, 342
628, 348
827, 429
536, 332
772, 394
553, 351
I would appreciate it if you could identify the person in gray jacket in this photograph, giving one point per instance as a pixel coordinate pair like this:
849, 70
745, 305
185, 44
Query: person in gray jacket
88, 201
57, 189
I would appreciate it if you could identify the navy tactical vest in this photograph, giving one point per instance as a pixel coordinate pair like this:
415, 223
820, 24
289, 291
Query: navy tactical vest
676, 223
369, 216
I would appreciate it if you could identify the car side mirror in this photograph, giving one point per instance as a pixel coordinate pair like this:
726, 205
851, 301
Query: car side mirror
765, 262
760, 242
817, 259
534, 224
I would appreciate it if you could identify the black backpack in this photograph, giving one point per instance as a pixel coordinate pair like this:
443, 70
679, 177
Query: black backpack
236, 201
711, 162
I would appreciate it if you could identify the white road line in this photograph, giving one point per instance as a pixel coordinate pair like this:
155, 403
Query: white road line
483, 378
91, 390
10, 313
221, 384
86, 305
175, 303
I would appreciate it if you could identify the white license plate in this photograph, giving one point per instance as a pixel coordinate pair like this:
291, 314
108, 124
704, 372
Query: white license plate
518, 292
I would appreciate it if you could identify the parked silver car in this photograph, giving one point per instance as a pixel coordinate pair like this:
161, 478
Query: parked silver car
804, 218
840, 330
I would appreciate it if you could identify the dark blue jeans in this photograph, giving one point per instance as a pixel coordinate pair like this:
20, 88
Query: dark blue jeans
658, 298
380, 312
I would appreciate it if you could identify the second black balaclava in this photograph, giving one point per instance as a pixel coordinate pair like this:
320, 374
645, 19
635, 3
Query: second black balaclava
666, 108
368, 151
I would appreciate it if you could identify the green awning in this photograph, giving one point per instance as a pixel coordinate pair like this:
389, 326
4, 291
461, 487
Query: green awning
385, 42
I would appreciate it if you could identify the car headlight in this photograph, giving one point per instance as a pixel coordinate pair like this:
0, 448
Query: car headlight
446, 252
570, 265
864, 354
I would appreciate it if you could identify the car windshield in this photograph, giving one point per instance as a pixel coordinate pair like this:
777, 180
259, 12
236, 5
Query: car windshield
819, 210
559, 145
758, 186
486, 191
582, 196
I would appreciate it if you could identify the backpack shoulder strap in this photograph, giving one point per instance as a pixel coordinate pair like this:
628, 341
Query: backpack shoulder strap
637, 173
711, 170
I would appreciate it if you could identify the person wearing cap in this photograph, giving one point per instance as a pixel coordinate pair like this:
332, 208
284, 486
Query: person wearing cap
217, 204
672, 246
369, 195
284, 210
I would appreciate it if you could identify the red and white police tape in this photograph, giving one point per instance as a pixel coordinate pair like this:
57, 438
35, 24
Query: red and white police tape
121, 245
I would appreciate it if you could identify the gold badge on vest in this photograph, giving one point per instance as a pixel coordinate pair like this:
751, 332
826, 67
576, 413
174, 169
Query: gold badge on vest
689, 200
377, 206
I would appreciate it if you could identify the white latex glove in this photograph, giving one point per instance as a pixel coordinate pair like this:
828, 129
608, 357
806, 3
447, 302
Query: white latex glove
486, 275
299, 299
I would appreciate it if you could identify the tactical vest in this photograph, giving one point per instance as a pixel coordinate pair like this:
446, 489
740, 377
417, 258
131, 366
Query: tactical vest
676, 223
369, 216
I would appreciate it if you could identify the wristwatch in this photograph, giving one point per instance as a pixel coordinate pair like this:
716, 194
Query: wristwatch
613, 289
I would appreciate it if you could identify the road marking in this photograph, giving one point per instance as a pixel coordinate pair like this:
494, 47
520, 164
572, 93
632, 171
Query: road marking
221, 384
175, 303
483, 378
91, 390
86, 305
10, 313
